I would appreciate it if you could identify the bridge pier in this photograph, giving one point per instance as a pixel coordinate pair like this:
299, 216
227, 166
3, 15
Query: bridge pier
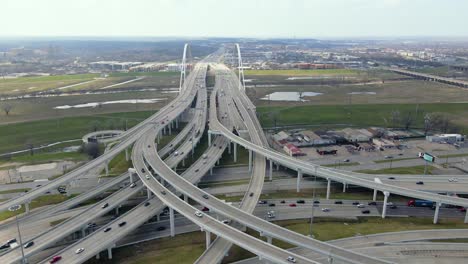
148, 193
83, 231
185, 198
177, 123
183, 162
299, 177
466, 217
374, 197
209, 138
158, 137
436, 213
171, 221
344, 187
277, 166
98, 255
250, 160
117, 210
26, 206
208, 238
229, 147
384, 209
328, 188
269, 239
169, 127
126, 154
235, 152
211, 171
270, 175
109, 253
107, 167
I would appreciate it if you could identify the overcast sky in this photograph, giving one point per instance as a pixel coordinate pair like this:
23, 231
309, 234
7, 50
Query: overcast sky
238, 18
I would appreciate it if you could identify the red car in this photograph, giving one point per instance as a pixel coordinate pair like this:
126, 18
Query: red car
205, 209
292, 205
462, 209
55, 259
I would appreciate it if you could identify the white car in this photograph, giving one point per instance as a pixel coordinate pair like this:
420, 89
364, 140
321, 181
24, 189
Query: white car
453, 180
78, 251
361, 205
291, 259
147, 177
132, 185
325, 209
198, 214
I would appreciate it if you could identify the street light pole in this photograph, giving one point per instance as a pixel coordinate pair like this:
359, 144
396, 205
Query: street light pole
313, 204
14, 208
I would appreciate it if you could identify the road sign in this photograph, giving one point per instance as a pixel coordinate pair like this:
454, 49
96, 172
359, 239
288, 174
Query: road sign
428, 157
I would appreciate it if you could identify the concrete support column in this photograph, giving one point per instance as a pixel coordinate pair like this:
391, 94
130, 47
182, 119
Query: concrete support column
436, 213
269, 239
384, 209
374, 197
217, 162
250, 160
26, 205
148, 193
211, 171
299, 177
208, 238
235, 152
169, 126
117, 210
158, 217
98, 255
183, 162
109, 253
229, 147
328, 188
107, 167
466, 217
277, 166
177, 123
83, 232
185, 198
270, 176
209, 138
344, 186
126, 154
171, 221
159, 137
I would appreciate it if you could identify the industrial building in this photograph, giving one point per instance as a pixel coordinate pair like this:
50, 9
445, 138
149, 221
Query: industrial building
446, 138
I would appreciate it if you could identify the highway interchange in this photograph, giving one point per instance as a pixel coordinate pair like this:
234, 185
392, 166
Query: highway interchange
228, 107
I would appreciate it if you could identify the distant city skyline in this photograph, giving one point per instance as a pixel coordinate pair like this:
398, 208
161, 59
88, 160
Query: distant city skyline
240, 18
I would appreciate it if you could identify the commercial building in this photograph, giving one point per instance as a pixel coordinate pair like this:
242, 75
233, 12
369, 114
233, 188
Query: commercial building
292, 150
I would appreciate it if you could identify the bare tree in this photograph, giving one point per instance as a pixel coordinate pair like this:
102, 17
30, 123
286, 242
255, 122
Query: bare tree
7, 108
95, 125
395, 118
428, 123
407, 120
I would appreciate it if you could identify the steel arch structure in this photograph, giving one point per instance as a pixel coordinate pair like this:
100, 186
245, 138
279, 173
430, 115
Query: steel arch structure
183, 66
240, 68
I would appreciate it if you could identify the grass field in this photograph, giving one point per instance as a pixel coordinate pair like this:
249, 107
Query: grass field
408, 91
358, 115
16, 136
318, 72
187, 248
38, 202
36, 84
419, 170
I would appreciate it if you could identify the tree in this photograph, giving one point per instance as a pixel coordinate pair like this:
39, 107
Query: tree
7, 108
95, 125
395, 118
428, 123
407, 120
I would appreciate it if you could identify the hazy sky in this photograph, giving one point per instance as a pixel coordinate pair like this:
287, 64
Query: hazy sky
249, 18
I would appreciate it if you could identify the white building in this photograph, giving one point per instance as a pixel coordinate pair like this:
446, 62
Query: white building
446, 138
